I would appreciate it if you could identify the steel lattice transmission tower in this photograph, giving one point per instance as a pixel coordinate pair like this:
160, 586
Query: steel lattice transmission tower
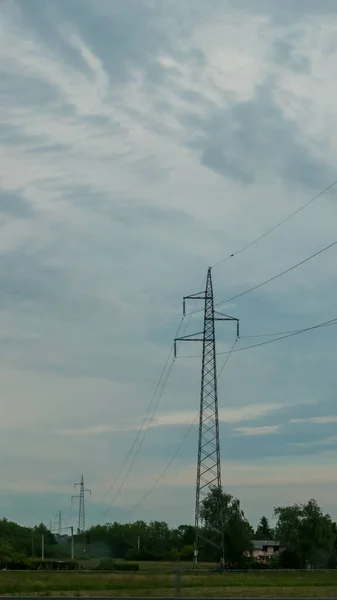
208, 465
81, 506
59, 525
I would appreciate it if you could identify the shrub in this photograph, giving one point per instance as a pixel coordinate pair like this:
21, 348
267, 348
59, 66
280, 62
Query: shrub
108, 564
35, 564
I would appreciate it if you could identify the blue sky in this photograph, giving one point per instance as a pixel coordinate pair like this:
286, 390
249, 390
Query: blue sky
142, 141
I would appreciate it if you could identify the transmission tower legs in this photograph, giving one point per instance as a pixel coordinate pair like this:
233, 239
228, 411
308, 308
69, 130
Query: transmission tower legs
208, 465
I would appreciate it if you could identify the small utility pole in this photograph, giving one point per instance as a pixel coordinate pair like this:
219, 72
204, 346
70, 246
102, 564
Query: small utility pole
42, 547
72, 542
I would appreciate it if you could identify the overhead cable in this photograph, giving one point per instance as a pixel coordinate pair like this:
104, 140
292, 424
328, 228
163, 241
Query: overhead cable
146, 419
159, 478
283, 337
276, 339
119, 490
141, 434
259, 285
290, 216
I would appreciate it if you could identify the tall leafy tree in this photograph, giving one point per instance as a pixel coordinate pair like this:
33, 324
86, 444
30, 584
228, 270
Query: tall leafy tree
237, 532
307, 535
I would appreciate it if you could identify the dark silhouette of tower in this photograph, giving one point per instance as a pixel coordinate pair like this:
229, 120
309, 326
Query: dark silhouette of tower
81, 505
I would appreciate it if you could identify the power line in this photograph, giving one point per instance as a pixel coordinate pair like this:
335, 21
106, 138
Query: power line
228, 357
150, 490
259, 285
152, 406
255, 287
167, 466
273, 334
282, 337
145, 418
277, 333
142, 439
288, 334
263, 235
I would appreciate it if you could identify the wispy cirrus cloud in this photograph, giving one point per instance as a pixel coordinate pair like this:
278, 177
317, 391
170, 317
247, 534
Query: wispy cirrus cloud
139, 144
264, 430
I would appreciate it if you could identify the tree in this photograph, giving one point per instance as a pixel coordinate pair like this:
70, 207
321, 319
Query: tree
264, 531
186, 534
237, 532
306, 534
6, 553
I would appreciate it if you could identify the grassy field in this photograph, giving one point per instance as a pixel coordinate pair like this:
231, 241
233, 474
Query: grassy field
253, 584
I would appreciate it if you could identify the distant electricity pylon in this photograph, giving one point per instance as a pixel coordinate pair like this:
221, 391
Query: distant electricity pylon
58, 523
81, 507
208, 466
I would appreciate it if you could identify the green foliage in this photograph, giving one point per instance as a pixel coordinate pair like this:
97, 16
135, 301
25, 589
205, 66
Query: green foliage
264, 531
53, 565
140, 541
307, 535
27, 541
22, 563
108, 564
7, 552
237, 532
185, 554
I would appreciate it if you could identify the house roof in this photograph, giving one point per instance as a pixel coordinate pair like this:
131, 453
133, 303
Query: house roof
260, 543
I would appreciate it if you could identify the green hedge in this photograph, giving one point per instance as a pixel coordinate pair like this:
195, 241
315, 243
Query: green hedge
31, 564
108, 564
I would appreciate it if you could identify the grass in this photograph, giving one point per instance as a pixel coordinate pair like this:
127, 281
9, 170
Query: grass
169, 566
252, 584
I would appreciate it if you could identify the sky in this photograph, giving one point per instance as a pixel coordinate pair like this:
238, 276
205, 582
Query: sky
141, 142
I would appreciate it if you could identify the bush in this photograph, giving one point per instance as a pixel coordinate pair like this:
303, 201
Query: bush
143, 554
108, 564
289, 559
255, 565
17, 563
33, 564
52, 565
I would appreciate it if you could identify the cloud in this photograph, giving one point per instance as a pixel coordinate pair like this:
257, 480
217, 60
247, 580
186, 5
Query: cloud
246, 413
97, 430
318, 420
141, 142
249, 127
266, 430
15, 205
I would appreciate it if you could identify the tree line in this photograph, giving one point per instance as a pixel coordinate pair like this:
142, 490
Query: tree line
307, 537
